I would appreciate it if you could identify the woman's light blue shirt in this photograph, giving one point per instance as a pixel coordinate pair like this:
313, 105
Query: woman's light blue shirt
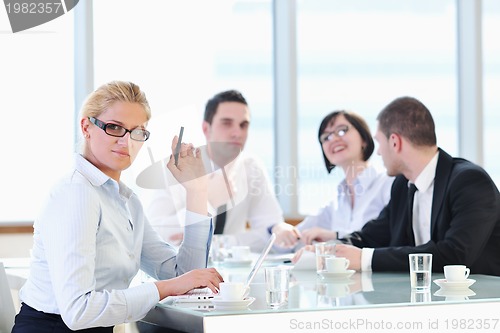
90, 240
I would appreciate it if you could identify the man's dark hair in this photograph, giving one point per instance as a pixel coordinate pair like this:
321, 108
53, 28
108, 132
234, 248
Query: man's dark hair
359, 124
409, 118
225, 96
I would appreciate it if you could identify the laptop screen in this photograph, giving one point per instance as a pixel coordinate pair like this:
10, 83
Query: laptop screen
260, 260
205, 294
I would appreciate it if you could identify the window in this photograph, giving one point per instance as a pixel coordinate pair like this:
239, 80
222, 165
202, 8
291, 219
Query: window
360, 55
357, 55
38, 114
491, 77
183, 52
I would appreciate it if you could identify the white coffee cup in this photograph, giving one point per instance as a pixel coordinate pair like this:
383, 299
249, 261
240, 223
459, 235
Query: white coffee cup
232, 291
336, 264
456, 273
240, 253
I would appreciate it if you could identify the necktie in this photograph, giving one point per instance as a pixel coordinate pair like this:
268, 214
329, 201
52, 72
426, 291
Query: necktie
411, 195
220, 220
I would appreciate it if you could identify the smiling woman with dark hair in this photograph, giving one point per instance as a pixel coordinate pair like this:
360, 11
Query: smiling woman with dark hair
355, 121
346, 142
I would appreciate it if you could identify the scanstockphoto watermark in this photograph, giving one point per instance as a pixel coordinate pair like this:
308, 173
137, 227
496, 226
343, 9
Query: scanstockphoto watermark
327, 324
26, 14
423, 325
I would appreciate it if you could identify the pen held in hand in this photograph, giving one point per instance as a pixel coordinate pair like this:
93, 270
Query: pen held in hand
297, 233
178, 147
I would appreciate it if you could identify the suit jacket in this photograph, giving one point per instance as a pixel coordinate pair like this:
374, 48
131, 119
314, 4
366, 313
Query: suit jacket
465, 222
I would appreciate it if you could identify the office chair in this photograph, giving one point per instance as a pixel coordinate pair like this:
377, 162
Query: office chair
7, 310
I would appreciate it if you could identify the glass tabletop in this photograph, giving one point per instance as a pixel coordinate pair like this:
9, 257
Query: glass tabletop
310, 292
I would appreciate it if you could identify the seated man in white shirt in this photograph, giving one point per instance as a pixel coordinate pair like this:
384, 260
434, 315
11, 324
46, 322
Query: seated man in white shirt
237, 181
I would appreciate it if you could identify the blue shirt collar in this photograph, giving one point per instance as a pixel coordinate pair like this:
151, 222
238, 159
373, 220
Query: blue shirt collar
98, 178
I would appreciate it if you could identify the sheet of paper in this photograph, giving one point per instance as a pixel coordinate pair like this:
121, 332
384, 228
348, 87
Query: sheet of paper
307, 261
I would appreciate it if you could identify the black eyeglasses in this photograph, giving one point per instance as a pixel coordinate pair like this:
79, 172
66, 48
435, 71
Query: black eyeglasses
338, 132
137, 134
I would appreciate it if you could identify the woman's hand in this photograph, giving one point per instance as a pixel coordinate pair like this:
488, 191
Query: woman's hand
190, 172
197, 278
298, 254
318, 234
287, 235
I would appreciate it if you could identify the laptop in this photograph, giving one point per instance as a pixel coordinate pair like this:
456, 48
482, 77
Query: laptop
7, 310
205, 294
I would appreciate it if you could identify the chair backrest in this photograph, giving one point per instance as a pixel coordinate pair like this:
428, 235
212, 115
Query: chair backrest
7, 310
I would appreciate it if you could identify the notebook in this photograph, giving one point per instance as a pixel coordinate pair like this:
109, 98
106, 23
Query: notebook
205, 294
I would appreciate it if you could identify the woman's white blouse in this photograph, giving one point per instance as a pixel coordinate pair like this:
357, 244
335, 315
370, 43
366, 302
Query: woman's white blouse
90, 240
372, 193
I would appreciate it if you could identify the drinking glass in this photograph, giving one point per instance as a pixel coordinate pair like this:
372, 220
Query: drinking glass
420, 270
277, 286
219, 248
323, 250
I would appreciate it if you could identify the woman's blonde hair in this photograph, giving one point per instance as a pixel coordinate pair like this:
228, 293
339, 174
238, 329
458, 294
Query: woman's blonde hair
108, 94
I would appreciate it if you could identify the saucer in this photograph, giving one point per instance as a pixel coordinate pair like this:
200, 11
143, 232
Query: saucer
234, 263
221, 304
455, 292
454, 285
337, 276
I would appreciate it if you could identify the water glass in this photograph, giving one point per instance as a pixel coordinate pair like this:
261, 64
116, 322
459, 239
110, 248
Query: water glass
323, 250
418, 296
420, 270
219, 248
277, 286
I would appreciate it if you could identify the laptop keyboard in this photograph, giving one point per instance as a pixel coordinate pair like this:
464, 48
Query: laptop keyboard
201, 292
195, 295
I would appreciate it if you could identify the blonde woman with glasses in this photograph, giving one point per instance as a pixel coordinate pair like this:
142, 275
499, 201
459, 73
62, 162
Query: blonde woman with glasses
92, 236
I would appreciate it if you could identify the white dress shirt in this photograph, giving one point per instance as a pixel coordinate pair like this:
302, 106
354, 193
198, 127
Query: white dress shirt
372, 193
255, 203
422, 207
422, 202
90, 241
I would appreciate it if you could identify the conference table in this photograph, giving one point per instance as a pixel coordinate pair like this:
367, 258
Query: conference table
363, 302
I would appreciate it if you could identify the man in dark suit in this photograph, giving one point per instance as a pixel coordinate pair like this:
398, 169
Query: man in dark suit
454, 214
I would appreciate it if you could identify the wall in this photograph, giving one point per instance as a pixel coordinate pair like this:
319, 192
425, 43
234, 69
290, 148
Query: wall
15, 244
